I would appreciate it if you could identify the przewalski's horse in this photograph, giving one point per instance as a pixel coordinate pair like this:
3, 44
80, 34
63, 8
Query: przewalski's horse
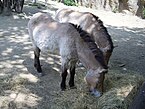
71, 43
93, 25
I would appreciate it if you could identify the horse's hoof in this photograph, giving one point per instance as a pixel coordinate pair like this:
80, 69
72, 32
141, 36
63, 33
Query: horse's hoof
41, 74
73, 87
62, 86
63, 89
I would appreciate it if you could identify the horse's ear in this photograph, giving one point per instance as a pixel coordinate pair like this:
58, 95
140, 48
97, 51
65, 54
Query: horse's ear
79, 28
75, 26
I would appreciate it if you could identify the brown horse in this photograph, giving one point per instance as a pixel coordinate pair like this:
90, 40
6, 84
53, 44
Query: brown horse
71, 43
93, 25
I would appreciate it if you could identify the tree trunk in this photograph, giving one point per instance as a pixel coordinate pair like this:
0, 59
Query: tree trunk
134, 7
62, 1
80, 2
140, 5
7, 7
1, 6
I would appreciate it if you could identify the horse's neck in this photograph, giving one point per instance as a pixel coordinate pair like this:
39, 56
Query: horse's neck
87, 23
86, 56
100, 35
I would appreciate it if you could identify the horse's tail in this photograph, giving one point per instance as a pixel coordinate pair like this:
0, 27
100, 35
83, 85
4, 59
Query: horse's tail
92, 45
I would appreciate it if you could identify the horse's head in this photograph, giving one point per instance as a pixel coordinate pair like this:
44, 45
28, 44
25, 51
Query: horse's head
99, 33
95, 79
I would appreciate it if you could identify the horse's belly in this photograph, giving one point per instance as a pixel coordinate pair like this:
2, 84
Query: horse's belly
46, 43
46, 49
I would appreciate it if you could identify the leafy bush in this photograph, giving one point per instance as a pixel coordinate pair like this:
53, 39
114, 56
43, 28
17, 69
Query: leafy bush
70, 2
144, 13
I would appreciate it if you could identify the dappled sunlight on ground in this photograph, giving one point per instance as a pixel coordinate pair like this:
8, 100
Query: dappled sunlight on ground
18, 77
30, 77
15, 47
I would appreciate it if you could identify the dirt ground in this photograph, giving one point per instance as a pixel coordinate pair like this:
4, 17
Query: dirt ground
21, 87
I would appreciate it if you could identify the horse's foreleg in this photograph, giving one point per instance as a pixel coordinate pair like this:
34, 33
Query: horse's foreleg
72, 75
100, 86
36, 60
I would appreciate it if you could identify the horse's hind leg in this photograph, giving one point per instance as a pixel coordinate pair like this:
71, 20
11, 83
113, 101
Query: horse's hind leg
63, 81
72, 74
36, 60
63, 76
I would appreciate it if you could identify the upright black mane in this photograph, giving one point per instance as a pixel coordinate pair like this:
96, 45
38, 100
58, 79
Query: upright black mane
104, 29
92, 45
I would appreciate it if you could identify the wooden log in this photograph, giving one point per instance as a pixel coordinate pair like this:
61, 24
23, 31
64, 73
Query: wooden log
139, 100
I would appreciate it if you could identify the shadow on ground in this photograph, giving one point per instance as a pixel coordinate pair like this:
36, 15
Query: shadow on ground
129, 55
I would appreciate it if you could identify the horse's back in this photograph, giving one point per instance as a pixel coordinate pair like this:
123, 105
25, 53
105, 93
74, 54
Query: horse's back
49, 35
84, 19
39, 18
75, 17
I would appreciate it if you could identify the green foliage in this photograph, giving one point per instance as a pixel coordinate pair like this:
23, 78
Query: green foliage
70, 2
144, 13
115, 10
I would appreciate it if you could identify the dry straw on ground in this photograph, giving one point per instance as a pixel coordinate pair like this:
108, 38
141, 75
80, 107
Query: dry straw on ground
120, 89
119, 92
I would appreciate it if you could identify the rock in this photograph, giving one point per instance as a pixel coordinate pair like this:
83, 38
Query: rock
121, 65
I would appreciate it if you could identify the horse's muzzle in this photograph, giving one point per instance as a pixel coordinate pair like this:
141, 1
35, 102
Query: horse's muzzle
96, 93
